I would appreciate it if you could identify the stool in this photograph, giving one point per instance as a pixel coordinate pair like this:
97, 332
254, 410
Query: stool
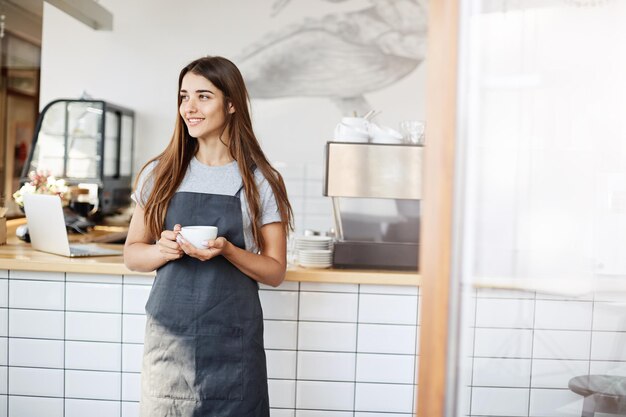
603, 394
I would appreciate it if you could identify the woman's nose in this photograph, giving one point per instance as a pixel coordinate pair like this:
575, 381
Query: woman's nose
189, 106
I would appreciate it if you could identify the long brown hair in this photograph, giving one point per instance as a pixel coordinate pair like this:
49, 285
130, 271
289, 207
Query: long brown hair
243, 147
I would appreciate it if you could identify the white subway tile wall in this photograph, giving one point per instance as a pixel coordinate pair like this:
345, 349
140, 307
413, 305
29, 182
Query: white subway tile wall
326, 366
501, 372
92, 356
36, 353
4, 291
319, 306
500, 401
282, 393
609, 317
281, 364
323, 395
75, 344
555, 403
561, 344
331, 337
391, 398
132, 356
91, 408
523, 359
332, 350
563, 315
34, 406
93, 385
130, 409
607, 368
282, 412
4, 322
37, 324
131, 387
99, 327
548, 373
305, 186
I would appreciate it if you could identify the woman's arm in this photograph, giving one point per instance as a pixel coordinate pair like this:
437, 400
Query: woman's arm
268, 267
141, 254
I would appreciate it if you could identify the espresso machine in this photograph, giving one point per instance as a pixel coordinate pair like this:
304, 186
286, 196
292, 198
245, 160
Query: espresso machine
376, 191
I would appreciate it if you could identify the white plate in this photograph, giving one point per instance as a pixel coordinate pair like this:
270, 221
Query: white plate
315, 258
315, 255
314, 238
317, 252
315, 266
310, 248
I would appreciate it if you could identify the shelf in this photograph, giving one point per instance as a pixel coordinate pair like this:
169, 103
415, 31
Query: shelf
71, 136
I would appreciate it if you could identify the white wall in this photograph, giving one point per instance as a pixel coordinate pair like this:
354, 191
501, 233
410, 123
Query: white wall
137, 65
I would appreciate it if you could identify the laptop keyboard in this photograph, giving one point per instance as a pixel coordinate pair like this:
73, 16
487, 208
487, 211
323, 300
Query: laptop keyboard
79, 252
88, 250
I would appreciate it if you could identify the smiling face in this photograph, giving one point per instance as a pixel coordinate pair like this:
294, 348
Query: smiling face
202, 107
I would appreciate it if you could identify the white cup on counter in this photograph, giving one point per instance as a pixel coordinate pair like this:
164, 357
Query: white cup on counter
352, 129
383, 134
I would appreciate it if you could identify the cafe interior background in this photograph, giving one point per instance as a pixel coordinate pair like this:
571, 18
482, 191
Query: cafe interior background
536, 292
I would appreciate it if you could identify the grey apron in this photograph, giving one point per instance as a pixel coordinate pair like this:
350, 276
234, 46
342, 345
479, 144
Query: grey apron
203, 349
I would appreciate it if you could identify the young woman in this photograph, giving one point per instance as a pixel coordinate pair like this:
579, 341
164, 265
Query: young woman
203, 349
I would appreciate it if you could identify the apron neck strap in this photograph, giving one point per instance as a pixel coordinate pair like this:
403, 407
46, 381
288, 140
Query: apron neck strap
238, 193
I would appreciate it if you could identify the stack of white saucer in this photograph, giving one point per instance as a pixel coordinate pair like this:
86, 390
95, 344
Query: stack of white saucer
315, 251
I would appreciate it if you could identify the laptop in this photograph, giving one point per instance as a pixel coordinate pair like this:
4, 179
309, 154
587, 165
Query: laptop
46, 226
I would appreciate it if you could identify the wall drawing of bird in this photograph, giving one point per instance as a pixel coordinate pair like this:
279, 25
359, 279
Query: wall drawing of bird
342, 56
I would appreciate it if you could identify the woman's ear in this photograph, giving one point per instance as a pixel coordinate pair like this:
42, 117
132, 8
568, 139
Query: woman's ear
231, 108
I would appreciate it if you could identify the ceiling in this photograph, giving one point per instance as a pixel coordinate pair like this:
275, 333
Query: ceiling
31, 6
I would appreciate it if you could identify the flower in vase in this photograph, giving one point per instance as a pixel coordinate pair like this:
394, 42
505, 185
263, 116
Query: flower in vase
41, 182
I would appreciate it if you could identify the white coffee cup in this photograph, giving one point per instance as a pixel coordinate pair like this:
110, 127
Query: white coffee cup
198, 234
359, 123
384, 134
347, 133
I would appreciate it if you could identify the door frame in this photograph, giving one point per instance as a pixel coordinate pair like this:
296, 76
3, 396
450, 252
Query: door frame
437, 341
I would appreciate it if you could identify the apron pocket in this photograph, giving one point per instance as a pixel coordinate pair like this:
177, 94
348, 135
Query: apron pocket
206, 366
219, 363
169, 363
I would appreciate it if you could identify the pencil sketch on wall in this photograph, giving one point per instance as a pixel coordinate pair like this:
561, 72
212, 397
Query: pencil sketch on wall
341, 56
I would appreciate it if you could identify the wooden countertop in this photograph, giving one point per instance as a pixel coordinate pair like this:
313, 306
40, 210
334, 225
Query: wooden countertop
17, 255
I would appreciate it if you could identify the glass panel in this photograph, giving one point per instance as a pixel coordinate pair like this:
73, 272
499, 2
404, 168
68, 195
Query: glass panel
49, 151
111, 143
378, 219
23, 81
126, 152
544, 208
85, 134
22, 54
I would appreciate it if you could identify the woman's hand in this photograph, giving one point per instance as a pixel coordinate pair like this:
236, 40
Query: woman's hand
213, 248
168, 245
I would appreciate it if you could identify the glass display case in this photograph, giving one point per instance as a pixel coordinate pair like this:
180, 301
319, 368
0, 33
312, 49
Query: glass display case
87, 143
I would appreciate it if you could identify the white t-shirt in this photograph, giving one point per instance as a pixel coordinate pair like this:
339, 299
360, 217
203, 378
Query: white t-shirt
225, 180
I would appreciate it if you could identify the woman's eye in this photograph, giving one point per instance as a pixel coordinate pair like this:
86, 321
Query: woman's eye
204, 97
184, 98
